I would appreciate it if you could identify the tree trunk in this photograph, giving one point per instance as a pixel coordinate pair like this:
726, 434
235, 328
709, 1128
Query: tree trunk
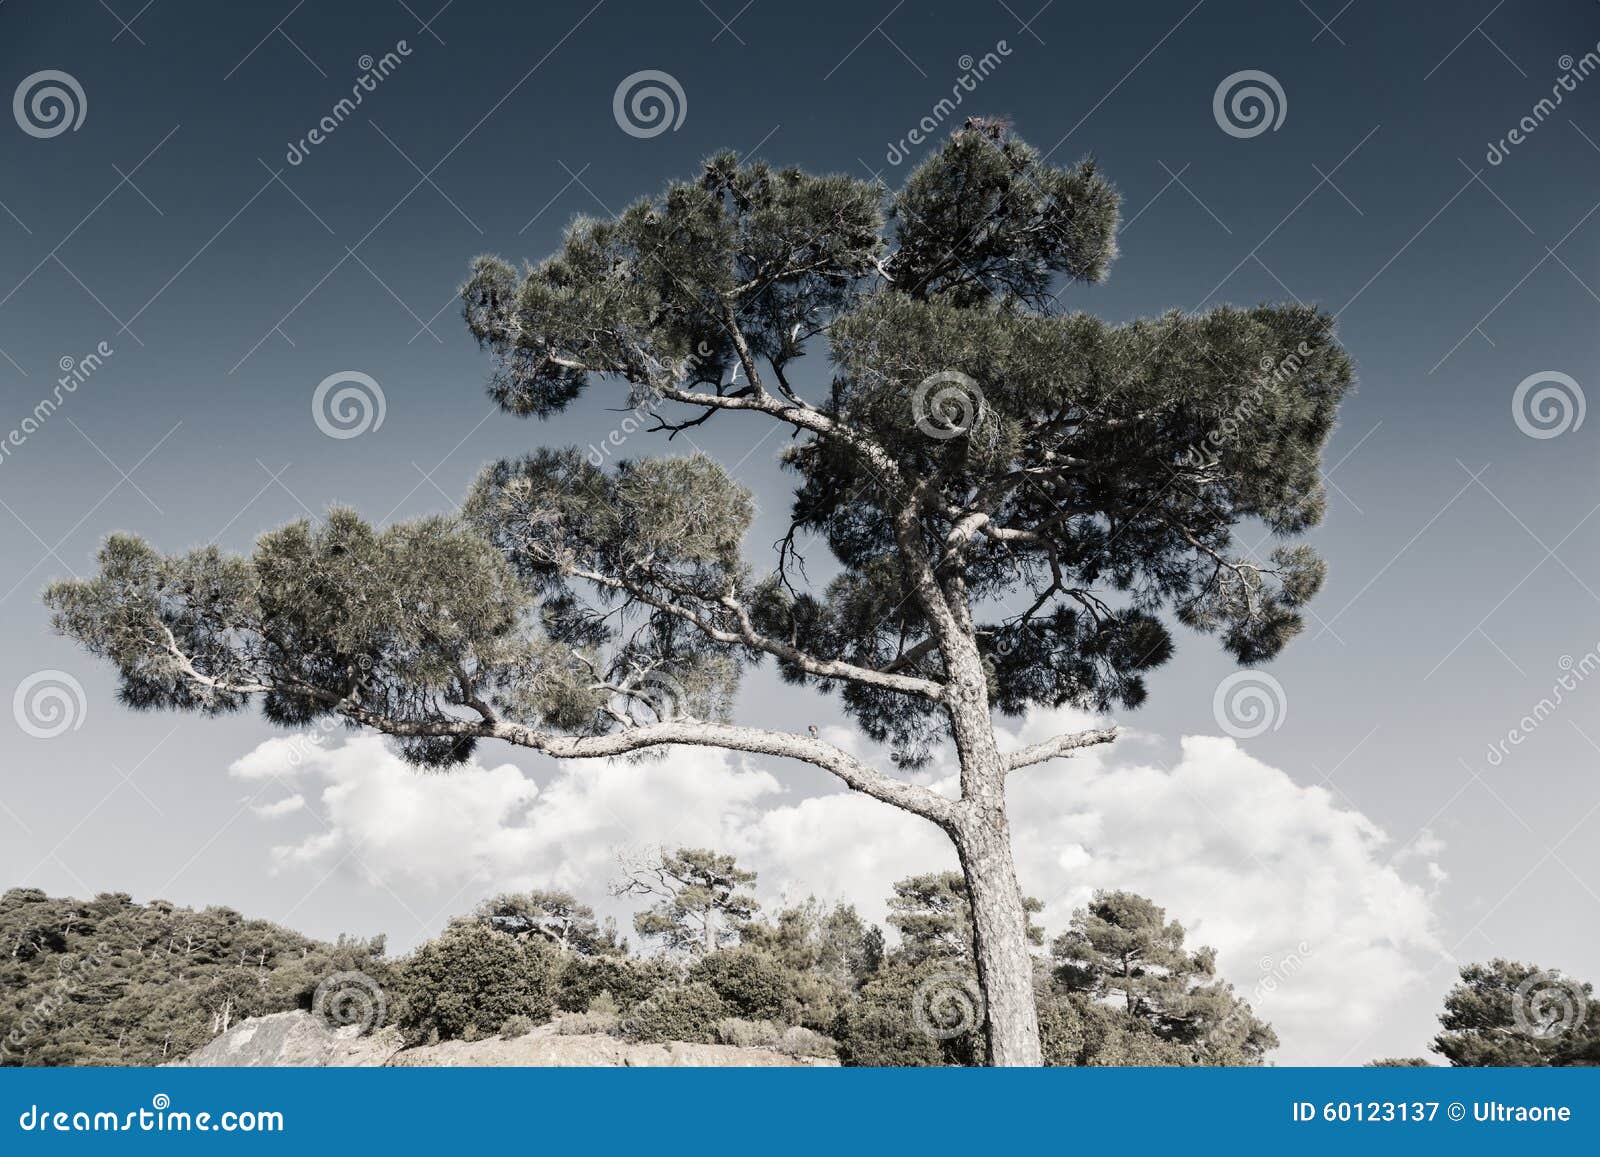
1000, 935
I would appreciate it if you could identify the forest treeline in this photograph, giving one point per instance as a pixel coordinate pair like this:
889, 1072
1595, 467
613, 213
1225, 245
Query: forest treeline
110, 981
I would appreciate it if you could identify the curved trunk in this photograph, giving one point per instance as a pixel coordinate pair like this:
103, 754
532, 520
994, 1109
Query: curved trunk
1000, 937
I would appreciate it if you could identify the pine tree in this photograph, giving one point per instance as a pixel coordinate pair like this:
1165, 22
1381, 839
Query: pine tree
1015, 494
701, 899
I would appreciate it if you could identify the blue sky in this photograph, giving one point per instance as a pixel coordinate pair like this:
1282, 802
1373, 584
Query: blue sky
228, 282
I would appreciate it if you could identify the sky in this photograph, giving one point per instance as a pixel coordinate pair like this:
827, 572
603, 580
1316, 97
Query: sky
1420, 789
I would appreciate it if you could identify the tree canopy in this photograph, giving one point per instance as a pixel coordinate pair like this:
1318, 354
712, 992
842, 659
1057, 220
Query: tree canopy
1019, 501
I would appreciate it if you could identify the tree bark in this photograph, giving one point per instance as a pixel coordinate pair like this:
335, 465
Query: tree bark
1000, 936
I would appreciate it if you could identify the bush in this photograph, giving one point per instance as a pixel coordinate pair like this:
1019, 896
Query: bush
585, 1023
798, 1041
748, 1034
516, 1026
580, 980
753, 984
470, 978
883, 1026
687, 1013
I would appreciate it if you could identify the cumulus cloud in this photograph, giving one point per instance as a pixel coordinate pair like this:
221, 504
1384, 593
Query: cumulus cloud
1315, 918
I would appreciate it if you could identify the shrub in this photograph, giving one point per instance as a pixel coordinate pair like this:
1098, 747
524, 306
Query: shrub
883, 1027
469, 978
580, 980
798, 1041
752, 983
689, 1013
748, 1034
585, 1023
516, 1026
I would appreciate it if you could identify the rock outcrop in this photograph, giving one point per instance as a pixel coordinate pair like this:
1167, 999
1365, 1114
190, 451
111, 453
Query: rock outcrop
298, 1039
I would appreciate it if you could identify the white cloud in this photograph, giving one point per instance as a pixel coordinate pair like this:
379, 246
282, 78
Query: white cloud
1310, 916
282, 807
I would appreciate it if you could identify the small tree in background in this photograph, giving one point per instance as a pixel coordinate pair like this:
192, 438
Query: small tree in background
1121, 949
701, 899
553, 916
1014, 494
1505, 1013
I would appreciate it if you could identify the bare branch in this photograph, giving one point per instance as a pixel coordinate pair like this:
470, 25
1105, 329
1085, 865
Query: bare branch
1064, 744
